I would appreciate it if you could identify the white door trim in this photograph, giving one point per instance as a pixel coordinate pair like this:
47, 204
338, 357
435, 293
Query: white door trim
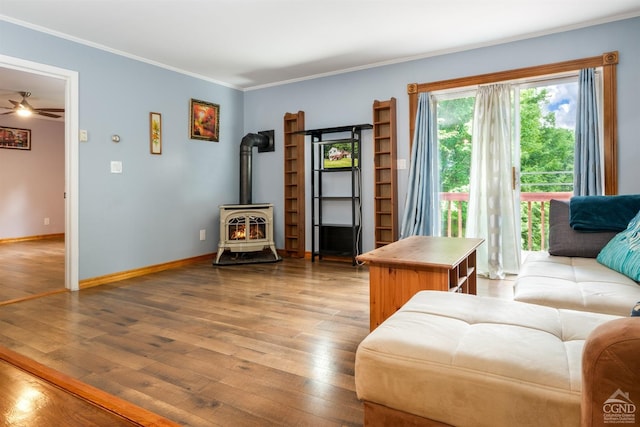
71, 132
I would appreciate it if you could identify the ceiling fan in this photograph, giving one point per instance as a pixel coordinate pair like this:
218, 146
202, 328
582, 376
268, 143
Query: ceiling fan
23, 108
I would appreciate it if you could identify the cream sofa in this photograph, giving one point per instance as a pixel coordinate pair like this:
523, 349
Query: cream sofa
464, 360
448, 359
574, 283
461, 360
555, 356
569, 276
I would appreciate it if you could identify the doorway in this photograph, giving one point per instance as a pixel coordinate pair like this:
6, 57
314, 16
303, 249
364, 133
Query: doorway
71, 156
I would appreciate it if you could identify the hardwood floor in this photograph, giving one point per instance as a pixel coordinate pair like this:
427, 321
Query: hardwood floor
35, 395
251, 345
30, 268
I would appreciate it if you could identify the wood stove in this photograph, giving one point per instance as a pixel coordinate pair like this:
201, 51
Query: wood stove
246, 228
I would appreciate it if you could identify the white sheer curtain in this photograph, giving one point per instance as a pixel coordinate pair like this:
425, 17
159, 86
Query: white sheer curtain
491, 213
422, 206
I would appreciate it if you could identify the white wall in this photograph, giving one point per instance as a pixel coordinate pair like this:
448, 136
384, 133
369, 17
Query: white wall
32, 181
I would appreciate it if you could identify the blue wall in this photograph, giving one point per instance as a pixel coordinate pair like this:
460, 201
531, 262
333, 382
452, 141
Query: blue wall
347, 99
153, 212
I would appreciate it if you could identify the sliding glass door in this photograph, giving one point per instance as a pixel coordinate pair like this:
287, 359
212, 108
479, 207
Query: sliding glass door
543, 152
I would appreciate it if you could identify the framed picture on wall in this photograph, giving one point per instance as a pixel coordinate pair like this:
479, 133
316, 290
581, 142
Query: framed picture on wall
15, 138
155, 133
204, 120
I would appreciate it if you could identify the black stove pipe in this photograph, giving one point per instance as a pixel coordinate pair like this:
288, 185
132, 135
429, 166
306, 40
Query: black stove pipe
249, 141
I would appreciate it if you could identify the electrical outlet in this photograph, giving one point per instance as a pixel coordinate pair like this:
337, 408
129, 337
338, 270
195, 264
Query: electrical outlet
203, 234
46, 221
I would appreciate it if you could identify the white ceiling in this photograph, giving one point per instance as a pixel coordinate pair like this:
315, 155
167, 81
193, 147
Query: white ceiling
254, 43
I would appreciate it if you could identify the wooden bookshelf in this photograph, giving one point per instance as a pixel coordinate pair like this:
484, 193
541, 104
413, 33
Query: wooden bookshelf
294, 194
385, 174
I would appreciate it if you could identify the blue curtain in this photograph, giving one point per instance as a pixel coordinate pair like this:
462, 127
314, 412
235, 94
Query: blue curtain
422, 206
587, 169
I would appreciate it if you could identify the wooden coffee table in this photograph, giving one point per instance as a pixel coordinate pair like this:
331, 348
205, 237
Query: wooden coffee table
400, 269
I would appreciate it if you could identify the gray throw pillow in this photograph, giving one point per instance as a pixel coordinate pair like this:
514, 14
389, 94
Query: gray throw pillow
565, 241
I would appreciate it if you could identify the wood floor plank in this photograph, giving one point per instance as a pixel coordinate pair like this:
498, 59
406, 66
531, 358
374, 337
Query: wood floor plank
36, 395
191, 341
178, 414
251, 345
36, 266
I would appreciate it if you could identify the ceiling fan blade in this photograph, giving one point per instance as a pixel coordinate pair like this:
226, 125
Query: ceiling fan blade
26, 105
42, 113
8, 112
50, 110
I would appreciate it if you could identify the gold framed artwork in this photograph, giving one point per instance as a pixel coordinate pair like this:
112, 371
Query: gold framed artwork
204, 120
155, 133
15, 138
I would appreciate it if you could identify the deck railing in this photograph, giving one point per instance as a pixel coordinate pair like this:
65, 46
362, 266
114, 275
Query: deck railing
454, 206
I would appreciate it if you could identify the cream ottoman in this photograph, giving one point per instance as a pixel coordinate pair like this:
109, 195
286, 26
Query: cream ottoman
466, 360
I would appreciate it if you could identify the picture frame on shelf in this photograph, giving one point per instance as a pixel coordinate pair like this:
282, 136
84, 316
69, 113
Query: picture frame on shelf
15, 138
339, 155
155, 133
204, 120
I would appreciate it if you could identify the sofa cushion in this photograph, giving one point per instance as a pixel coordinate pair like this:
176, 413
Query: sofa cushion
622, 253
466, 360
565, 241
597, 213
574, 283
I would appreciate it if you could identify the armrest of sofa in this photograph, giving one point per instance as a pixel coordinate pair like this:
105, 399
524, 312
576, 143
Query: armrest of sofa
611, 374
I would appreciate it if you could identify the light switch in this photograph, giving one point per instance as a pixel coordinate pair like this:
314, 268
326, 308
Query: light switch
402, 164
84, 135
116, 166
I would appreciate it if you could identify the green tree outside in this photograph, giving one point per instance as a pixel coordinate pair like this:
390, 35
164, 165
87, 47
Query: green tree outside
455, 119
546, 155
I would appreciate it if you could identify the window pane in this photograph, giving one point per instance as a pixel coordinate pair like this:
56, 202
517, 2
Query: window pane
547, 138
454, 139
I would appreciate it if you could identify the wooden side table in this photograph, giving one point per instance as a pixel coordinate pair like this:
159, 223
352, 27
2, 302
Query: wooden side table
400, 269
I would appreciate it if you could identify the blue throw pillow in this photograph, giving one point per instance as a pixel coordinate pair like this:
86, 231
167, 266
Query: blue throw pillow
635, 311
622, 253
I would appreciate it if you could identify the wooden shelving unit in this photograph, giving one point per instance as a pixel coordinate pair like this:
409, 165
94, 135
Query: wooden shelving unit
294, 194
462, 277
385, 175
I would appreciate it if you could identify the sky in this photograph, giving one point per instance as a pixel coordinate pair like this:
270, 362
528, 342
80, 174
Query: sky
563, 100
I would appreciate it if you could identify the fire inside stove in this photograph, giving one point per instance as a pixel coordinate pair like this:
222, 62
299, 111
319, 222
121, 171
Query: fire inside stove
238, 228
